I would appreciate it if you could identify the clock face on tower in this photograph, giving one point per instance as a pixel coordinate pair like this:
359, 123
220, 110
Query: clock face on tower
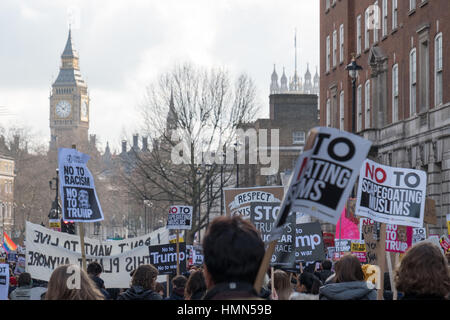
63, 109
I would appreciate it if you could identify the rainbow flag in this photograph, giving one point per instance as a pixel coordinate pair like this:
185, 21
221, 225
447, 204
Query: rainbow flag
8, 244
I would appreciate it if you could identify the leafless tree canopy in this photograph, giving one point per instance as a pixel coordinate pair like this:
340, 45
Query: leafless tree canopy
190, 115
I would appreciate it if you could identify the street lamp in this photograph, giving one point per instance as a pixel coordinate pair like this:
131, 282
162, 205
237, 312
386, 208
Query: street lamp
199, 203
353, 69
147, 203
237, 144
56, 209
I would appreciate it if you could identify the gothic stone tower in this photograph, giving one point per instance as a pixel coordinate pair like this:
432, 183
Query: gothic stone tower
69, 103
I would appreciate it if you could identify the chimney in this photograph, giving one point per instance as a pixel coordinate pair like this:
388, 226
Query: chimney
135, 141
124, 146
144, 144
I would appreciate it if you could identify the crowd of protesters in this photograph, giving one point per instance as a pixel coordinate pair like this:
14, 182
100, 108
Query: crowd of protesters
233, 252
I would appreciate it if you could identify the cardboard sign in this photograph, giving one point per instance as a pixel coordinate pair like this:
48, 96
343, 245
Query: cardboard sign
308, 242
325, 175
47, 249
180, 217
164, 258
262, 216
374, 247
239, 200
77, 189
363, 222
4, 281
391, 195
430, 211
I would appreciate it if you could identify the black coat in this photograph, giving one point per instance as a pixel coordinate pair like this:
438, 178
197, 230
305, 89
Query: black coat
231, 291
138, 293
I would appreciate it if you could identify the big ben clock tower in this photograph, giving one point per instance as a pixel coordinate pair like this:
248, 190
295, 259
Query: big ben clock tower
69, 103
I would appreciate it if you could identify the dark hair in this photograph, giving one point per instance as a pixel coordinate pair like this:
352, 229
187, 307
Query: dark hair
24, 279
145, 276
233, 250
94, 268
348, 269
179, 281
326, 265
311, 282
196, 283
423, 271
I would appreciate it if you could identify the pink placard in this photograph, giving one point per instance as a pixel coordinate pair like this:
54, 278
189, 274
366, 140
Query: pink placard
349, 229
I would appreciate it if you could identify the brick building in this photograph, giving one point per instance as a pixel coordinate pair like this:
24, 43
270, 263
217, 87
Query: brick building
401, 101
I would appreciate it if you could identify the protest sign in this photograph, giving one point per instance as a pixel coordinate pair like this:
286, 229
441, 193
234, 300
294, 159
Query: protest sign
363, 222
391, 195
398, 238
309, 242
418, 234
448, 224
239, 200
164, 258
358, 249
330, 253
20, 265
445, 243
47, 249
180, 218
262, 216
4, 281
79, 200
343, 247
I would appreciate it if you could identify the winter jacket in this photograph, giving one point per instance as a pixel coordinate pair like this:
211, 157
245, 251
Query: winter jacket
198, 295
232, 290
303, 296
177, 294
138, 293
27, 293
323, 275
101, 286
354, 290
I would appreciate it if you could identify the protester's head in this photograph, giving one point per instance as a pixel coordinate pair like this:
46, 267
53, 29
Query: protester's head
70, 282
179, 281
25, 279
348, 269
282, 284
196, 283
145, 276
159, 288
233, 251
326, 265
94, 268
309, 283
423, 271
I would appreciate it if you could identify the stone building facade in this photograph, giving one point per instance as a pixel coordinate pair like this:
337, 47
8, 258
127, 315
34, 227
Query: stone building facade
401, 101
7, 205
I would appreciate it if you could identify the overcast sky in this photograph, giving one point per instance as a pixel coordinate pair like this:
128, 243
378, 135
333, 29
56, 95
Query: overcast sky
124, 45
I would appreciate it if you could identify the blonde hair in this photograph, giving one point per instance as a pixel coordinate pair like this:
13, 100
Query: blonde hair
58, 285
282, 284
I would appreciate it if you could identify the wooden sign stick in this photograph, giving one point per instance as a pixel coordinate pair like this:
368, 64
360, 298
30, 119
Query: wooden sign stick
271, 248
178, 252
81, 229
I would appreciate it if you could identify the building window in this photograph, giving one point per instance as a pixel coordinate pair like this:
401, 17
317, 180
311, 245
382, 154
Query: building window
385, 18
412, 5
394, 14
341, 111
438, 69
359, 108
366, 30
341, 43
367, 105
327, 4
328, 113
395, 93
334, 48
328, 54
412, 82
377, 22
298, 137
358, 35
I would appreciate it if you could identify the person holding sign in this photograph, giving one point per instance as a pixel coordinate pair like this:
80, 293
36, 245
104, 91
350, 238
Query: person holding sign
348, 283
423, 273
233, 251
